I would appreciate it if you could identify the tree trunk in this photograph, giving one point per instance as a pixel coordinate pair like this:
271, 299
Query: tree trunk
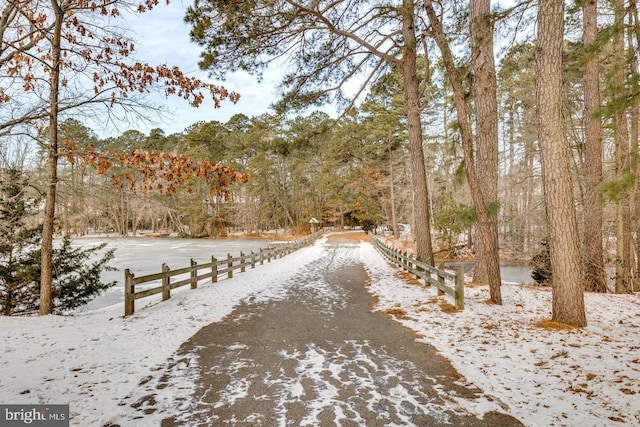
568, 298
623, 210
593, 261
484, 85
485, 219
422, 220
124, 214
514, 233
635, 118
392, 196
46, 266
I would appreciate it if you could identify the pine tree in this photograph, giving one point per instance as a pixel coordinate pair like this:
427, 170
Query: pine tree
18, 244
76, 279
568, 299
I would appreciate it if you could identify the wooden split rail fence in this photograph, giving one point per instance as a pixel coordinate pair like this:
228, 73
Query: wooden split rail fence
211, 270
448, 283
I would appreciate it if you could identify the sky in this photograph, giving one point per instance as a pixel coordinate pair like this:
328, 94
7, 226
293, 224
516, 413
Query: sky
541, 375
163, 38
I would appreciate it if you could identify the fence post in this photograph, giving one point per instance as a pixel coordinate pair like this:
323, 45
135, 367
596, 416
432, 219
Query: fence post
129, 297
229, 266
459, 291
402, 260
269, 254
166, 285
214, 269
417, 269
253, 259
261, 257
440, 279
194, 274
242, 261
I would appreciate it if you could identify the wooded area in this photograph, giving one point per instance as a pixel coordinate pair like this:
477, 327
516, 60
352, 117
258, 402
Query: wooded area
497, 129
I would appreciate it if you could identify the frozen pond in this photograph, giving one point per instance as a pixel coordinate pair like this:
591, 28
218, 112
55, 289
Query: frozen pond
509, 271
145, 255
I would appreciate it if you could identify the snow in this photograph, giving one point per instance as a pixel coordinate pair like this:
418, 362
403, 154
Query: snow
542, 376
98, 362
313, 367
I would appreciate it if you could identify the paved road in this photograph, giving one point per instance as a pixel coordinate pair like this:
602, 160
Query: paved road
319, 357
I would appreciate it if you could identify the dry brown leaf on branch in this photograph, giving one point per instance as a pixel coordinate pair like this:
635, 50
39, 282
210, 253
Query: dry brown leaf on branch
165, 172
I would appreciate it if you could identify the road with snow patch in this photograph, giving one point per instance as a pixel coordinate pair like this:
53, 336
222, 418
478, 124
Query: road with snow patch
317, 356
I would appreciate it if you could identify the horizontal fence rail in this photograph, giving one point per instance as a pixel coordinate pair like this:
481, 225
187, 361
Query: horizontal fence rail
448, 283
195, 272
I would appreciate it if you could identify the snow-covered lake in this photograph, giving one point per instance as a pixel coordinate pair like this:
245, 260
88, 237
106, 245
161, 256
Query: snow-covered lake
145, 255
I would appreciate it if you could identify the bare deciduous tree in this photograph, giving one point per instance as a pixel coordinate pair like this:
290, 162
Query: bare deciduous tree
65, 55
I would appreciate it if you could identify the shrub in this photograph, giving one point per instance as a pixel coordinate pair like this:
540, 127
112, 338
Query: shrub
541, 265
75, 280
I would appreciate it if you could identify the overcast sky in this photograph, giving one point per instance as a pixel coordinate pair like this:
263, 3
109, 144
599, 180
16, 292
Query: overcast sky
163, 38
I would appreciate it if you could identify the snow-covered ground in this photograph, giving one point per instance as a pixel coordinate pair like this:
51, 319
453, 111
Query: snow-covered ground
540, 373
97, 360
